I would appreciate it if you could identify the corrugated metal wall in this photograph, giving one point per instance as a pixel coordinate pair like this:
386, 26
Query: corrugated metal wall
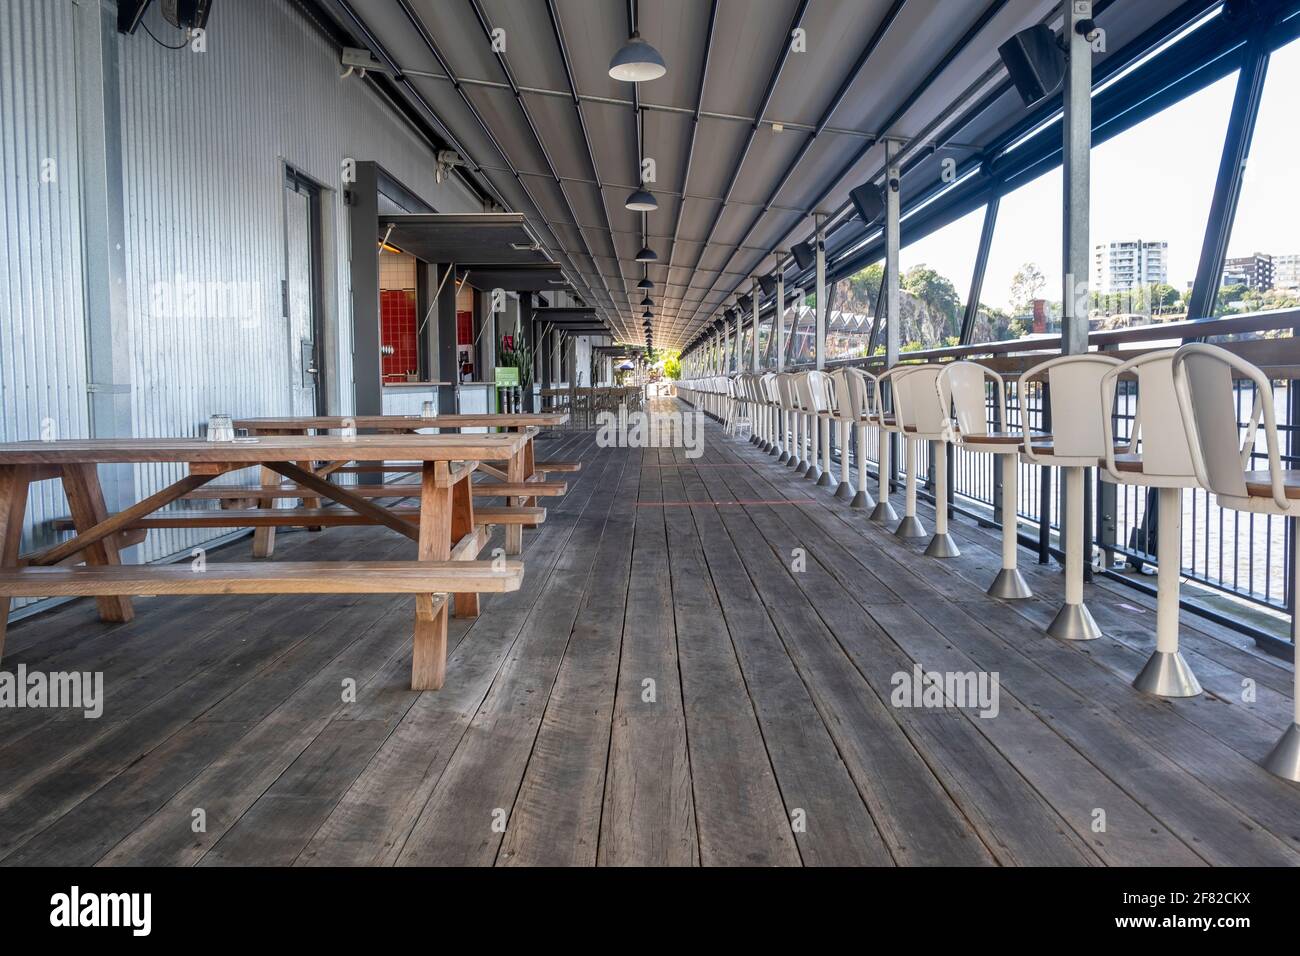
205, 139
42, 350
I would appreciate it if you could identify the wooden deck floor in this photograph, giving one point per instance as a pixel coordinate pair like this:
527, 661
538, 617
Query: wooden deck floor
666, 689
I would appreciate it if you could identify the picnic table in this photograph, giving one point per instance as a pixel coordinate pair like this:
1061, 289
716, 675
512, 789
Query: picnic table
448, 533
525, 471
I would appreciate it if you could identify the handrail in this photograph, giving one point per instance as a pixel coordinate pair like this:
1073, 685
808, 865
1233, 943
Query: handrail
1263, 321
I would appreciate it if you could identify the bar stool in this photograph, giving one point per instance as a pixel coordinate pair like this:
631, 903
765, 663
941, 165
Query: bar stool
786, 390
925, 418
846, 413
1206, 401
807, 467
964, 385
823, 390
862, 398
1159, 457
882, 417
896, 378
1077, 442
771, 413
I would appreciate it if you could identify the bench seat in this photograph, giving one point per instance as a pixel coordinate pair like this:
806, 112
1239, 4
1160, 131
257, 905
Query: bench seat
309, 517
481, 489
281, 577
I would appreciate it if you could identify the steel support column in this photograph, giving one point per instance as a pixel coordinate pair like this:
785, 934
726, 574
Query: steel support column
819, 343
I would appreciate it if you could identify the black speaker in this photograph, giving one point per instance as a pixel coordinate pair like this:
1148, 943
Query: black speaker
1035, 63
730, 315
745, 302
867, 201
803, 254
768, 285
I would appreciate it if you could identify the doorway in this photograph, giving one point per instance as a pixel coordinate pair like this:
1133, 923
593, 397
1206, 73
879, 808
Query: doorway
301, 293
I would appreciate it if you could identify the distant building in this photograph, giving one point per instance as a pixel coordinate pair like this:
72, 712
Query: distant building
1286, 271
1254, 272
1129, 264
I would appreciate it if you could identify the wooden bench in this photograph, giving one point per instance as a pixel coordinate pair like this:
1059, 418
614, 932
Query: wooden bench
482, 489
303, 517
284, 577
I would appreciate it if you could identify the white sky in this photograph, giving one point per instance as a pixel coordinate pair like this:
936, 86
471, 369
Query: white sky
1151, 182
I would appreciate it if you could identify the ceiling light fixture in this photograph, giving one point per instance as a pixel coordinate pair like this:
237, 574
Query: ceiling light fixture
640, 200
637, 61
647, 255
648, 302
645, 283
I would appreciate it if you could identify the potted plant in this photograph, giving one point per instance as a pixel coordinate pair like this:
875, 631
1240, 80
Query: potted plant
514, 351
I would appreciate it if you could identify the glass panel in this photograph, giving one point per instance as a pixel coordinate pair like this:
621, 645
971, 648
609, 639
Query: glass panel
1022, 283
1263, 266
1150, 209
936, 273
853, 309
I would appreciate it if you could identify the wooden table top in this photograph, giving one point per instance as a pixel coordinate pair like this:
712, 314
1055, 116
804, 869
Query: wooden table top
493, 447
542, 420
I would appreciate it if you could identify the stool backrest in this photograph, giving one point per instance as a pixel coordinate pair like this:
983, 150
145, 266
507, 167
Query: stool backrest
1164, 447
1207, 402
845, 406
917, 402
787, 385
1074, 391
862, 391
963, 387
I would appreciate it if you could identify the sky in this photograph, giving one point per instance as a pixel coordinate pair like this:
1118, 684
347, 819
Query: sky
1152, 182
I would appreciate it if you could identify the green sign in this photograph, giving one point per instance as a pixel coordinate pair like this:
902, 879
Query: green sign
507, 376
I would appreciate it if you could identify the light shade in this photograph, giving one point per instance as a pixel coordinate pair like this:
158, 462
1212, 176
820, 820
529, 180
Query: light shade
645, 283
648, 302
641, 201
647, 314
637, 61
646, 255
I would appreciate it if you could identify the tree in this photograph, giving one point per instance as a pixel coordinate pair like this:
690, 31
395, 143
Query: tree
1026, 286
672, 367
937, 292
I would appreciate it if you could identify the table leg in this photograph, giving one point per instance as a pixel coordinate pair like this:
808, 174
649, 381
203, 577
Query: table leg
310, 502
13, 504
462, 523
86, 502
264, 538
517, 470
429, 655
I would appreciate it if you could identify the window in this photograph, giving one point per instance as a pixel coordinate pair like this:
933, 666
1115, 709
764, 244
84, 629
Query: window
853, 302
935, 274
1263, 266
1022, 282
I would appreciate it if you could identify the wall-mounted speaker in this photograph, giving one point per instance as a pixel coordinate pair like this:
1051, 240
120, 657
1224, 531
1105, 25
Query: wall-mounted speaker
746, 303
866, 200
768, 285
803, 254
1035, 62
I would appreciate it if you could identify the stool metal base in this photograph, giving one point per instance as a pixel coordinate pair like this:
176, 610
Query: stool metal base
844, 491
825, 480
1167, 674
862, 500
942, 546
884, 513
910, 527
783, 458
1074, 622
774, 449
1284, 759
1010, 585
813, 473
800, 467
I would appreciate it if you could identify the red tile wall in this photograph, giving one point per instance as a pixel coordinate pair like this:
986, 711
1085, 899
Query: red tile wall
397, 324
